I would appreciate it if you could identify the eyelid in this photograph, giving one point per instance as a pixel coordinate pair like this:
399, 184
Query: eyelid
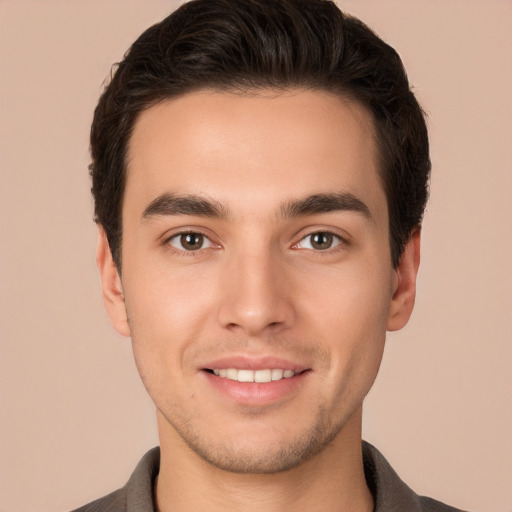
342, 241
178, 236
178, 232
336, 241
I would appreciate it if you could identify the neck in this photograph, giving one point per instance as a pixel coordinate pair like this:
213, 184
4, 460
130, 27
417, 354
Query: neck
332, 480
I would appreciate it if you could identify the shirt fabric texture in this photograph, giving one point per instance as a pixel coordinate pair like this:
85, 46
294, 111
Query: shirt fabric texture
390, 493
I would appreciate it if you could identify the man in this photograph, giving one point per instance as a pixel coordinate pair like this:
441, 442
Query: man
260, 172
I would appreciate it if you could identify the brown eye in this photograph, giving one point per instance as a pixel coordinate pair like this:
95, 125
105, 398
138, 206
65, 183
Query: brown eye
190, 241
319, 241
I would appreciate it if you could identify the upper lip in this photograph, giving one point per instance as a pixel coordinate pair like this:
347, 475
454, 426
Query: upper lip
244, 362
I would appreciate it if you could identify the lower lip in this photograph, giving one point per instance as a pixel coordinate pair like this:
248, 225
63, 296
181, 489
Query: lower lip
257, 393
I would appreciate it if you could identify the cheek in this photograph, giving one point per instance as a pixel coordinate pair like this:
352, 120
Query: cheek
356, 343
355, 330
350, 312
353, 302
166, 300
168, 311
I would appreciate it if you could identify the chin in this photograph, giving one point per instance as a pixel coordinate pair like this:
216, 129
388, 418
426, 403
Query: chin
260, 453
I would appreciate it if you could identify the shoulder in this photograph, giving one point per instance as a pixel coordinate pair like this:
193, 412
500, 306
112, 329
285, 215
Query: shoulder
431, 505
390, 493
113, 502
136, 495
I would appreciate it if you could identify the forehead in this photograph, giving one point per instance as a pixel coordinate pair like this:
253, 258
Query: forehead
265, 148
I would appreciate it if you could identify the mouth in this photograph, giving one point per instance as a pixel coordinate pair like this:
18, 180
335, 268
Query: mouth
257, 380
259, 376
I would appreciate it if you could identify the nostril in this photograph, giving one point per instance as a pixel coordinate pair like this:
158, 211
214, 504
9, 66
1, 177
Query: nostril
233, 326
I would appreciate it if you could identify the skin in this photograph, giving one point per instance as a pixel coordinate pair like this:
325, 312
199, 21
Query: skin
257, 288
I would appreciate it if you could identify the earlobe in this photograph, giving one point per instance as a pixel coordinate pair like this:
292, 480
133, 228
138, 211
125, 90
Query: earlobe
112, 286
402, 302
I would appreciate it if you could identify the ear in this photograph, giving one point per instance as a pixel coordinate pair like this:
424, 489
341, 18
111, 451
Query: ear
402, 302
112, 286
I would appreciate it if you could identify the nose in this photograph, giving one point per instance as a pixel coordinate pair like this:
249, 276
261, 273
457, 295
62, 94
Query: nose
256, 294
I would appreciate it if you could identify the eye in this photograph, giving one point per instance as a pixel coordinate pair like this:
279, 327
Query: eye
189, 241
320, 241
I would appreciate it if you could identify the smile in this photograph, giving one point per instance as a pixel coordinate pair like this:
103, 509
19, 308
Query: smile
266, 375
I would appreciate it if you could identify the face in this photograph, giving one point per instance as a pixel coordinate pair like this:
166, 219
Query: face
256, 280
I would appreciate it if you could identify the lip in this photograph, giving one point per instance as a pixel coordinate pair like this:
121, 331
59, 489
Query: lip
254, 363
254, 393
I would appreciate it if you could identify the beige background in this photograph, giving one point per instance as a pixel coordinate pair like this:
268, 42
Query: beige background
74, 417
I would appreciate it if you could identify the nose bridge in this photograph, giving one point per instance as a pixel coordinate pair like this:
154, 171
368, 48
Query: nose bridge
254, 297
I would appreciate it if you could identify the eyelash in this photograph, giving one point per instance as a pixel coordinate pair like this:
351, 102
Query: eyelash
182, 251
339, 242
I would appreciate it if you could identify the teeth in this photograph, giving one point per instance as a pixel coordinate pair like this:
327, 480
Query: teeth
277, 374
232, 374
262, 375
267, 375
245, 376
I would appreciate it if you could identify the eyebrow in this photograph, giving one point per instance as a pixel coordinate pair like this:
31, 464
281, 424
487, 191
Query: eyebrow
325, 203
171, 204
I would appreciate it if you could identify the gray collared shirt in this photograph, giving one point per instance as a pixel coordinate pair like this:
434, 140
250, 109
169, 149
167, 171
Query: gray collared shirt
390, 493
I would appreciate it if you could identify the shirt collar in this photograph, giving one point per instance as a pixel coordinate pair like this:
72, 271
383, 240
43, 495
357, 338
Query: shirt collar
390, 493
